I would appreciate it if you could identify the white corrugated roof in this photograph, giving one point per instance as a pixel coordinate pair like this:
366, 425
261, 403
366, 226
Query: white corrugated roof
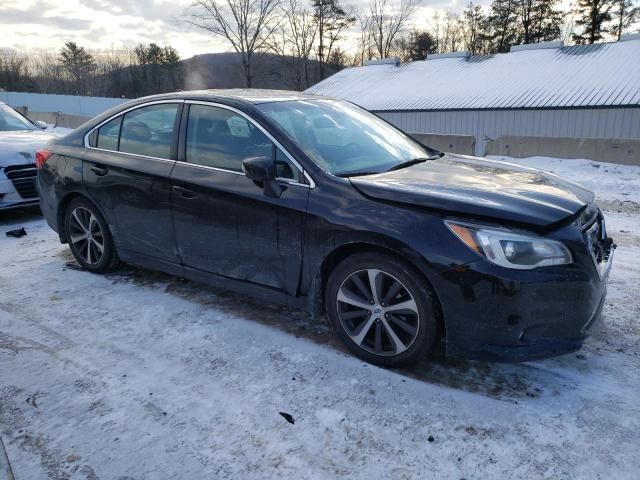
605, 74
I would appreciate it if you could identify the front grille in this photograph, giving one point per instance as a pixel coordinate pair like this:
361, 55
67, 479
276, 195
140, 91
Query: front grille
23, 178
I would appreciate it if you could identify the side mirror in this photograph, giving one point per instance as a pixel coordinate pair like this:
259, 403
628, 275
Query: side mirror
262, 170
259, 169
41, 125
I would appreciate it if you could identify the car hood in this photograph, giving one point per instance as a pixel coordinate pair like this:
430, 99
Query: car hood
474, 186
19, 147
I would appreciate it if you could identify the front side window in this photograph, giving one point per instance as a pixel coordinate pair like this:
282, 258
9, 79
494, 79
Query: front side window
221, 138
344, 139
10, 120
149, 130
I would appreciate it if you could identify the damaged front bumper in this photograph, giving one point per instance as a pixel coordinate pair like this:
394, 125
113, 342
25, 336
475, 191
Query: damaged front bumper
498, 314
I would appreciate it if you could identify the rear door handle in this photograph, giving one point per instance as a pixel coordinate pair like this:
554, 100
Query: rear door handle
99, 171
185, 192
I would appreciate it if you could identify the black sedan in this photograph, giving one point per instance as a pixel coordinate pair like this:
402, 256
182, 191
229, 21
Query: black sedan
317, 204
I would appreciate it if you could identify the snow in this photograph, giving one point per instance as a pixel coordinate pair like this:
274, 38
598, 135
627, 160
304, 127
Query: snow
141, 375
572, 76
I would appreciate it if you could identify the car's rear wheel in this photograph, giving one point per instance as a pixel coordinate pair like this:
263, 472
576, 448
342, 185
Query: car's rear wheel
382, 309
89, 237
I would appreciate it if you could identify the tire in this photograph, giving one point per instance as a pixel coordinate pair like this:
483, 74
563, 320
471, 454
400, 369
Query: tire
82, 217
395, 336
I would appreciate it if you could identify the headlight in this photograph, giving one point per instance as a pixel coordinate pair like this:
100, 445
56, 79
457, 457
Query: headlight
510, 249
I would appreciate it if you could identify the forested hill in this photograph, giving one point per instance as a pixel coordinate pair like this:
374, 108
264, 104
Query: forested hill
224, 70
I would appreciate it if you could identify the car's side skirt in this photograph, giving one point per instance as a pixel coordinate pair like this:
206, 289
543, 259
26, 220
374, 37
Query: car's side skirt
259, 292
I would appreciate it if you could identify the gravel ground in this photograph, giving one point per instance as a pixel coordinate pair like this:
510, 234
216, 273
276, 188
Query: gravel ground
140, 375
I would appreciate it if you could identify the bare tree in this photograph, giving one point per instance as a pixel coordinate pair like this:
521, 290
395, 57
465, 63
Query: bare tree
48, 73
247, 25
626, 13
295, 40
14, 69
364, 48
435, 30
387, 22
452, 32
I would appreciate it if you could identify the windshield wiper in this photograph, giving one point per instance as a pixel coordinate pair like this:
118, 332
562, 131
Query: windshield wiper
355, 173
408, 163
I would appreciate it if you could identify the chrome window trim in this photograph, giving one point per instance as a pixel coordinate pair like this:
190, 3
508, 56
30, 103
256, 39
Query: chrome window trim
123, 112
289, 181
312, 184
132, 154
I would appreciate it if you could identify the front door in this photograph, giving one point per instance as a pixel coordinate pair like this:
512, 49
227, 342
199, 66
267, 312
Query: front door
126, 172
224, 222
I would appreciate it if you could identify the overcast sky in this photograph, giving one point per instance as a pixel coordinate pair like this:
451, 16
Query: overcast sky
106, 24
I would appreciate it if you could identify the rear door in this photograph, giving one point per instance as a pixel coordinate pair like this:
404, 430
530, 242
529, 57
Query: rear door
126, 172
224, 222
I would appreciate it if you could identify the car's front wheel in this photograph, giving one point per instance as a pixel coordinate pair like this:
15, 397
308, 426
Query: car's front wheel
382, 309
89, 237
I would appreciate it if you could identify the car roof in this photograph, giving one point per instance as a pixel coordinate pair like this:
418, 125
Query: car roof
248, 95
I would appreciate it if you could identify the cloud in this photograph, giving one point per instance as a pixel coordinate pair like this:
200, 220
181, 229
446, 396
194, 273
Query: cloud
31, 17
107, 24
100, 24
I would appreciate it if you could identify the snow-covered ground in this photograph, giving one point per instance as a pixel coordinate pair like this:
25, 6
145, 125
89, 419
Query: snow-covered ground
139, 375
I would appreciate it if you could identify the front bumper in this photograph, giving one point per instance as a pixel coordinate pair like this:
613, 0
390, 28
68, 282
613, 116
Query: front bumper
24, 177
498, 314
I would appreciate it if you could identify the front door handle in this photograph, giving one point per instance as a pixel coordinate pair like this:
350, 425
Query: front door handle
99, 171
185, 192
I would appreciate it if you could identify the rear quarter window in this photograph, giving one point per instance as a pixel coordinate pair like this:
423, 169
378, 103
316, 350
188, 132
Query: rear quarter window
108, 134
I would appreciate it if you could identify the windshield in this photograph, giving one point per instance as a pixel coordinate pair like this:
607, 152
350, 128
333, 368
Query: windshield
344, 139
10, 120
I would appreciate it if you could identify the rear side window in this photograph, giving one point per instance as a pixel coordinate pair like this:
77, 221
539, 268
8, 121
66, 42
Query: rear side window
108, 134
149, 130
220, 138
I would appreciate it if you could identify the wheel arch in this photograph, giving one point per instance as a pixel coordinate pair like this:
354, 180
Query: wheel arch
402, 252
62, 209
60, 214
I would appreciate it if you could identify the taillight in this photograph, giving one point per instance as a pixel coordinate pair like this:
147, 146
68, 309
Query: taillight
42, 156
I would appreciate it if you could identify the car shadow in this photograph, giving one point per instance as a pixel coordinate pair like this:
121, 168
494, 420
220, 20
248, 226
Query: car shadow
16, 216
510, 382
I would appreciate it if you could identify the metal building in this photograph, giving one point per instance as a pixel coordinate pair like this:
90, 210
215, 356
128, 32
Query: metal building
579, 101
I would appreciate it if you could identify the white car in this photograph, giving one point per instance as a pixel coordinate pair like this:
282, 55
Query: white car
20, 138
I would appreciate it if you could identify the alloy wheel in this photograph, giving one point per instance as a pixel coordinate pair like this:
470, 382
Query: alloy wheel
378, 312
86, 235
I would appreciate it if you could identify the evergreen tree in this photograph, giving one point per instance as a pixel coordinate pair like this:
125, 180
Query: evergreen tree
158, 68
420, 45
77, 63
474, 25
593, 17
331, 19
502, 25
